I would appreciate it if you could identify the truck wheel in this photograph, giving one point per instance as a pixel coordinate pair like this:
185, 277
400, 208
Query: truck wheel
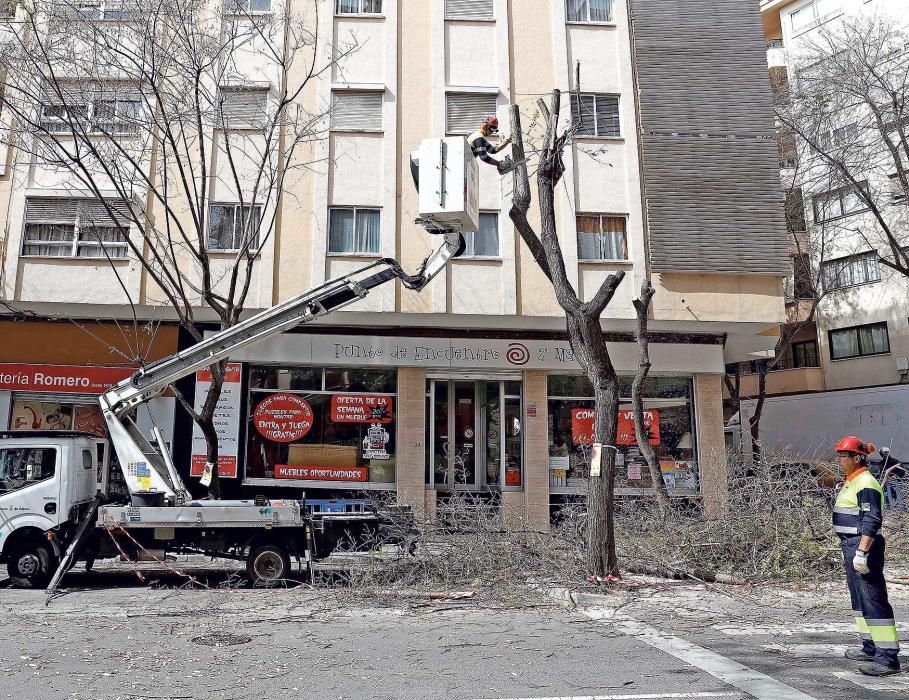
268, 564
31, 564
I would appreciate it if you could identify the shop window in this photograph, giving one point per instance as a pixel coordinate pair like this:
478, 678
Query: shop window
343, 434
24, 466
668, 410
42, 414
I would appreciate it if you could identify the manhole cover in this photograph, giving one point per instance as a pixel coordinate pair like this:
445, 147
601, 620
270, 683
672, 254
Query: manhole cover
221, 639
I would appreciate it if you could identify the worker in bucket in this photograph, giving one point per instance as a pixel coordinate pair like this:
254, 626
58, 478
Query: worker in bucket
481, 148
857, 518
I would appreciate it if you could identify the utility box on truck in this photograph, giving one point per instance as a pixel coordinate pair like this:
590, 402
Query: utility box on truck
447, 177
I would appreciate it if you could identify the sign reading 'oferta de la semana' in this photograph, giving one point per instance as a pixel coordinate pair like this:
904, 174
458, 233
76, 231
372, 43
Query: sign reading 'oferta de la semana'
60, 379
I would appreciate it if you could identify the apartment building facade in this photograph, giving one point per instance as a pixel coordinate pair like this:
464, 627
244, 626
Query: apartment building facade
470, 385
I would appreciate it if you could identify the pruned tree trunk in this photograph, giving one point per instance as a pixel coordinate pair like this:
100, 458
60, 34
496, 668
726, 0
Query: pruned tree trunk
583, 322
642, 435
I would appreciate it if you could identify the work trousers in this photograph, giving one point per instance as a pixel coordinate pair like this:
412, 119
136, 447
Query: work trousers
872, 609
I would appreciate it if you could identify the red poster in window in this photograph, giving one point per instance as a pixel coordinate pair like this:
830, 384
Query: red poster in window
362, 408
582, 427
283, 418
582, 421
625, 435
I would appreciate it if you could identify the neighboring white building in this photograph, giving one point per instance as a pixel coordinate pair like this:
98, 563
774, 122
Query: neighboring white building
486, 397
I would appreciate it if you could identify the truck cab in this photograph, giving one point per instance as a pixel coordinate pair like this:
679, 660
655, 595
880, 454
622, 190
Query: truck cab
47, 481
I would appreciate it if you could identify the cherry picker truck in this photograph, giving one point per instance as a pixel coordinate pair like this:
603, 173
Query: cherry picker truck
57, 506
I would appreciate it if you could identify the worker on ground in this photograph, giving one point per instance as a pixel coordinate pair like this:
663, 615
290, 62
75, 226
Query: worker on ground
857, 518
481, 148
892, 475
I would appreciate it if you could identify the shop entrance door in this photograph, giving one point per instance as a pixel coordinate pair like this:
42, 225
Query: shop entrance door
469, 437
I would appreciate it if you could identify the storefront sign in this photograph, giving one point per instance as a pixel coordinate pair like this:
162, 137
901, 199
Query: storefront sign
283, 418
226, 420
361, 408
61, 379
287, 471
584, 419
469, 353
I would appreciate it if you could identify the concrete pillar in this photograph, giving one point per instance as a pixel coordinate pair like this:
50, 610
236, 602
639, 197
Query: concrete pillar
712, 466
411, 438
536, 451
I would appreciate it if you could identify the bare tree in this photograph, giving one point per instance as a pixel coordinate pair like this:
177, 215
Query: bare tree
641, 433
151, 118
848, 103
583, 319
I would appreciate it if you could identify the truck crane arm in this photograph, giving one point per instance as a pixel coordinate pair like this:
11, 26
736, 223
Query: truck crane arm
149, 471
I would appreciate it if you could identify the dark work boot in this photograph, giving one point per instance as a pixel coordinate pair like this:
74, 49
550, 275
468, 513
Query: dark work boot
859, 655
878, 670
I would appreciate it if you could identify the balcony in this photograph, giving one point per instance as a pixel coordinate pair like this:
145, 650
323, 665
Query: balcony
784, 381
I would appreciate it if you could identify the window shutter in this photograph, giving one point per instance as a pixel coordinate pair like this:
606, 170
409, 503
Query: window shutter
608, 116
465, 111
93, 212
583, 114
356, 111
469, 9
239, 109
51, 209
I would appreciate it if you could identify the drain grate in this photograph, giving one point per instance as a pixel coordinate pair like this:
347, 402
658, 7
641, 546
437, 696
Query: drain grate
221, 639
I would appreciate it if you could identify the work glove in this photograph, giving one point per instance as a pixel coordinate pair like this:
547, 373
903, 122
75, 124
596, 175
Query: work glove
860, 562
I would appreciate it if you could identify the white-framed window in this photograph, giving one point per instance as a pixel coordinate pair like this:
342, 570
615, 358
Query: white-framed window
851, 271
247, 6
859, 341
63, 227
811, 12
594, 114
469, 9
465, 111
354, 230
358, 7
242, 107
110, 110
602, 237
102, 9
589, 10
231, 224
356, 111
835, 204
485, 242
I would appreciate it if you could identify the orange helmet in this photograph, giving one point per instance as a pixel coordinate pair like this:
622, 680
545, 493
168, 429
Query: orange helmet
492, 122
852, 444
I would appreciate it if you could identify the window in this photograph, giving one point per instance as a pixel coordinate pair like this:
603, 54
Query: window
601, 237
353, 230
465, 111
805, 354
75, 228
356, 111
595, 115
242, 108
230, 225
112, 110
795, 211
485, 242
8, 8
351, 419
897, 193
24, 466
358, 7
802, 283
813, 11
589, 10
469, 9
852, 271
859, 341
240, 6
838, 203
100, 9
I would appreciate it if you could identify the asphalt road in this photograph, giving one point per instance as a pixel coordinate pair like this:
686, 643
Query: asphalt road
112, 636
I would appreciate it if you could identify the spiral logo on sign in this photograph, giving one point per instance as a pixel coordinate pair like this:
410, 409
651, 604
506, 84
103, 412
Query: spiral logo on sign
517, 354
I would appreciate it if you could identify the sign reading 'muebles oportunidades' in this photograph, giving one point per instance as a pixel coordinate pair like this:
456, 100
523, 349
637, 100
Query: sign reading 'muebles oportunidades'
283, 418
